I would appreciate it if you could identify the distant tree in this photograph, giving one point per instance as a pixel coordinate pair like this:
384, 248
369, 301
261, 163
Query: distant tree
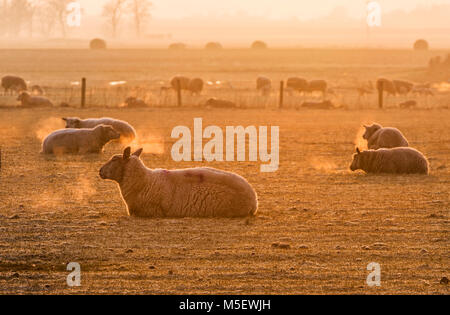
140, 10
97, 44
421, 44
59, 10
113, 11
213, 46
45, 18
259, 45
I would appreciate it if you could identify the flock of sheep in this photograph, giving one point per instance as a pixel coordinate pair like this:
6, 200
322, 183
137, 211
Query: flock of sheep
205, 192
264, 86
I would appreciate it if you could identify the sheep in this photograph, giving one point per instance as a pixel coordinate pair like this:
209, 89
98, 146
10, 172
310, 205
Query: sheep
318, 105
196, 86
379, 137
403, 87
264, 85
318, 86
408, 104
37, 90
127, 132
133, 102
34, 101
180, 82
218, 103
390, 161
196, 193
79, 141
13, 83
388, 86
297, 84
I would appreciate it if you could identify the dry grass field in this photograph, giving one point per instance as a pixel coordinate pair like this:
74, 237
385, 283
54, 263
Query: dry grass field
331, 223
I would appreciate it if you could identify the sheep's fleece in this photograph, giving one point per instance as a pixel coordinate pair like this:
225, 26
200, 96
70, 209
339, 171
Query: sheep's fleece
379, 137
198, 192
127, 132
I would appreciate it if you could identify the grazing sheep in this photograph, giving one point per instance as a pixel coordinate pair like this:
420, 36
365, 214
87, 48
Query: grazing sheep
13, 83
182, 81
264, 85
133, 102
408, 104
79, 141
199, 192
127, 132
379, 137
37, 90
196, 86
297, 84
318, 105
34, 101
365, 89
217, 103
318, 86
388, 86
403, 87
390, 161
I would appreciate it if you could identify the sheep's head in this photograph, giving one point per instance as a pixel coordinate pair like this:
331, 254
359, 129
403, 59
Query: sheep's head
115, 168
74, 123
23, 97
370, 130
108, 133
356, 164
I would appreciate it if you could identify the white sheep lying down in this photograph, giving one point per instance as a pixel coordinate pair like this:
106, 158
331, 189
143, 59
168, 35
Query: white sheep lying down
391, 161
127, 132
198, 192
79, 141
379, 137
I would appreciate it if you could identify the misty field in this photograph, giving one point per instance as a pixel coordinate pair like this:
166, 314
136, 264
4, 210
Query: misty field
318, 225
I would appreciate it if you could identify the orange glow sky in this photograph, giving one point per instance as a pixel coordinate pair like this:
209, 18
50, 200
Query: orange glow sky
303, 9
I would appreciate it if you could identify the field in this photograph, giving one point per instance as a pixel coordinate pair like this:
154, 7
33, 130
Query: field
318, 226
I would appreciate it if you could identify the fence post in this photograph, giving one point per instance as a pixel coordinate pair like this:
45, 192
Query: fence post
83, 92
180, 101
280, 105
380, 94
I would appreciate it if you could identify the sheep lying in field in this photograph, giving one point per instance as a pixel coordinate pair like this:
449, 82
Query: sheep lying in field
218, 103
199, 192
127, 132
318, 105
264, 85
79, 141
379, 137
390, 161
34, 101
13, 83
133, 102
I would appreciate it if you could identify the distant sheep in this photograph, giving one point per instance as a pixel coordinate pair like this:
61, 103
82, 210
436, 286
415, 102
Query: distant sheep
34, 101
390, 161
218, 103
13, 83
388, 86
37, 90
403, 87
408, 104
264, 85
297, 84
318, 105
127, 132
318, 86
199, 192
196, 86
379, 137
79, 141
180, 82
133, 102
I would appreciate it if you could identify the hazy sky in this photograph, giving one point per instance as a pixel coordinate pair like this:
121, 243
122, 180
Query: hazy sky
303, 9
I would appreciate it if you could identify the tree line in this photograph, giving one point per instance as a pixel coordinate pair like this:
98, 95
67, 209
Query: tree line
46, 18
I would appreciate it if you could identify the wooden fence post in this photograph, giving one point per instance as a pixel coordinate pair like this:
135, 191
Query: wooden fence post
281, 103
380, 94
180, 100
83, 92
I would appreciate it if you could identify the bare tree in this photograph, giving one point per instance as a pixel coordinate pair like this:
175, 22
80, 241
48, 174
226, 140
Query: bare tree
140, 10
113, 11
59, 9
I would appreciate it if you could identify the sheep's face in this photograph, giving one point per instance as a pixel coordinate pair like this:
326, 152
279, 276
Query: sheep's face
115, 169
73, 123
370, 130
108, 133
357, 159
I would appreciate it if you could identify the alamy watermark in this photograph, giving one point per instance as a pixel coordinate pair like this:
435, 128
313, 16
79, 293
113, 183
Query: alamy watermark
373, 14
74, 278
73, 14
213, 150
374, 278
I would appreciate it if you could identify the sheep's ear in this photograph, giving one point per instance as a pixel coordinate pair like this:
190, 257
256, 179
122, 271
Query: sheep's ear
127, 153
358, 151
65, 119
138, 152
